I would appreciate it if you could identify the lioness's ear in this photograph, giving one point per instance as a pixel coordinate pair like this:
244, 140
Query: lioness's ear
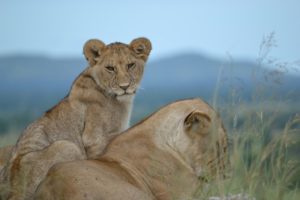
92, 50
142, 47
197, 123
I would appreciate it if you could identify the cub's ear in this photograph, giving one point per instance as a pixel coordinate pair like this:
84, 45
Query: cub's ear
92, 50
142, 47
197, 123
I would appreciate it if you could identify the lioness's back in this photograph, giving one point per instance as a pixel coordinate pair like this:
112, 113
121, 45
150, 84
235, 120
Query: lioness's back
94, 180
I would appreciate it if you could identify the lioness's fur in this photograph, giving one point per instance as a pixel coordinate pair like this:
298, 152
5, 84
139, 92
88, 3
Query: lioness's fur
97, 108
167, 156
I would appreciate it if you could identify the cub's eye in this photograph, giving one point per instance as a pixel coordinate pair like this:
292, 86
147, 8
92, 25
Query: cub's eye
110, 68
131, 65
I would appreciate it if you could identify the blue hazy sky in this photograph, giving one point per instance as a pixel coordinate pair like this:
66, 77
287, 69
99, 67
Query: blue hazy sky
60, 27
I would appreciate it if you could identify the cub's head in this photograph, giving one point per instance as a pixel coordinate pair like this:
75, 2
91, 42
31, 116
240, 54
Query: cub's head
118, 67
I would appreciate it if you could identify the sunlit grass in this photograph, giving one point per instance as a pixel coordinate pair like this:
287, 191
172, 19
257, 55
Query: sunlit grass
261, 165
264, 134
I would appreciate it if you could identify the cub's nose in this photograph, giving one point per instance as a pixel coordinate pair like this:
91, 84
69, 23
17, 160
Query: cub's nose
124, 86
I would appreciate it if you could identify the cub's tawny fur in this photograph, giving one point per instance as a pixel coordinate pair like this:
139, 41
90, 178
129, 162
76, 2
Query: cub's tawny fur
166, 157
97, 108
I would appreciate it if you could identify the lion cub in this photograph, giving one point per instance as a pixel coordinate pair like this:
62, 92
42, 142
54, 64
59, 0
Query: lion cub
97, 108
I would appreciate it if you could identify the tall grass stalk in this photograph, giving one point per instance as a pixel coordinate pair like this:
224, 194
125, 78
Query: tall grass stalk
261, 164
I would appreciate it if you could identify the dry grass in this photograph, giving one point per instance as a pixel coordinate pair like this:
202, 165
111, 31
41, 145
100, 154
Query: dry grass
263, 165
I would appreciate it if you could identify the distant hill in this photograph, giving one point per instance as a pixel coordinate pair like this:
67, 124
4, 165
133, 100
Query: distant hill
27, 74
36, 83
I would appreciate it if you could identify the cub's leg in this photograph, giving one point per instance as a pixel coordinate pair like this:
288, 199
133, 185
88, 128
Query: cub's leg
32, 168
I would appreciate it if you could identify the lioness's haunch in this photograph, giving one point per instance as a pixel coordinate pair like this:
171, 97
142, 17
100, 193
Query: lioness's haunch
167, 156
97, 108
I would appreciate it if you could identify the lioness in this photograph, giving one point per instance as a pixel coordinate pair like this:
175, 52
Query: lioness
167, 156
97, 108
